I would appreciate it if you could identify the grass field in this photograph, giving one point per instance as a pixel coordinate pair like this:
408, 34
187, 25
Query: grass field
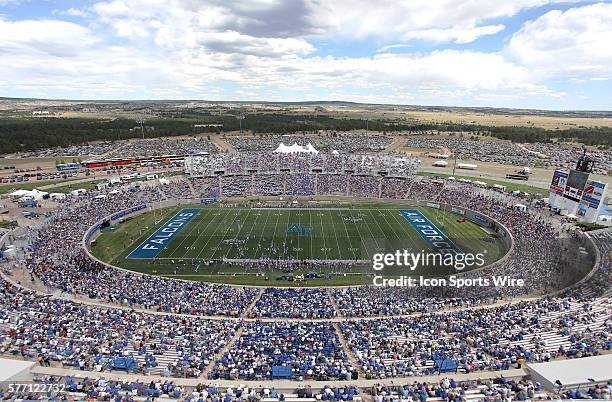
348, 235
30, 185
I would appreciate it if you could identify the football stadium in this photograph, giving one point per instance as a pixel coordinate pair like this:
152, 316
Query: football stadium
252, 272
163, 239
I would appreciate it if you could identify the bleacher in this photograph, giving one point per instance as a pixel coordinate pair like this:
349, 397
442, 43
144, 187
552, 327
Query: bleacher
478, 393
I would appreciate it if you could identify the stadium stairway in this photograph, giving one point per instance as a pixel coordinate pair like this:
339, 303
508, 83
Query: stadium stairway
168, 355
221, 352
349, 352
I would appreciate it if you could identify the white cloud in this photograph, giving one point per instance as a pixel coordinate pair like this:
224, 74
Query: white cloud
54, 37
9, 2
76, 12
265, 28
150, 48
457, 34
394, 46
573, 43
434, 20
440, 21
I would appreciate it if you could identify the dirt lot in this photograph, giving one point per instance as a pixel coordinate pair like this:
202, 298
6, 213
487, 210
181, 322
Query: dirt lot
539, 177
547, 122
493, 119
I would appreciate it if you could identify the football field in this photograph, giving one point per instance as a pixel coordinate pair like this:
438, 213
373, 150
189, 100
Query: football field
203, 241
300, 234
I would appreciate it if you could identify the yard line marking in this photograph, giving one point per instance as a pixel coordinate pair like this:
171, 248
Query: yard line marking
384, 215
237, 215
212, 257
188, 236
372, 233
361, 238
194, 244
310, 223
194, 241
336, 237
237, 234
323, 235
246, 243
286, 232
298, 238
348, 237
273, 236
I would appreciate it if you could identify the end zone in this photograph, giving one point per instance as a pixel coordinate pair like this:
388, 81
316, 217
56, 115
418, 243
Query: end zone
158, 241
437, 240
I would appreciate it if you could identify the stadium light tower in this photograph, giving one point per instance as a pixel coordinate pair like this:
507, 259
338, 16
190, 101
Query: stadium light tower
367, 120
240, 118
141, 122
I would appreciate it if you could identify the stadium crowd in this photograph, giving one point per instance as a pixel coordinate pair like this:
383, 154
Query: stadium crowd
65, 266
377, 301
309, 351
269, 162
53, 330
342, 142
101, 389
455, 328
509, 153
447, 389
493, 338
305, 303
129, 148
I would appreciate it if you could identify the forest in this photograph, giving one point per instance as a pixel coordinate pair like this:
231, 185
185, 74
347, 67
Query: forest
30, 134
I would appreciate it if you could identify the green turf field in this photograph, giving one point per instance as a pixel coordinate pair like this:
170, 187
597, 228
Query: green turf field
348, 234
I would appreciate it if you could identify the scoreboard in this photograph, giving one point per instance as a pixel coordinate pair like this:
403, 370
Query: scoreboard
572, 193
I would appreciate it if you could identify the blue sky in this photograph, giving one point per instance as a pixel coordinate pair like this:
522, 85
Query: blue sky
546, 54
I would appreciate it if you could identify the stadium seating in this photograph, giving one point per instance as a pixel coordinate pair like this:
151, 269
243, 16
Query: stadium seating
97, 318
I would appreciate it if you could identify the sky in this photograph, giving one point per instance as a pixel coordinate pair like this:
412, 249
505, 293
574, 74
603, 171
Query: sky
543, 54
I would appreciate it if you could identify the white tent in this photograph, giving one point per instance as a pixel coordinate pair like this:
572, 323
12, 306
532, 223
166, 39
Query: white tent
334, 152
296, 149
57, 196
520, 207
78, 191
29, 194
19, 193
310, 149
